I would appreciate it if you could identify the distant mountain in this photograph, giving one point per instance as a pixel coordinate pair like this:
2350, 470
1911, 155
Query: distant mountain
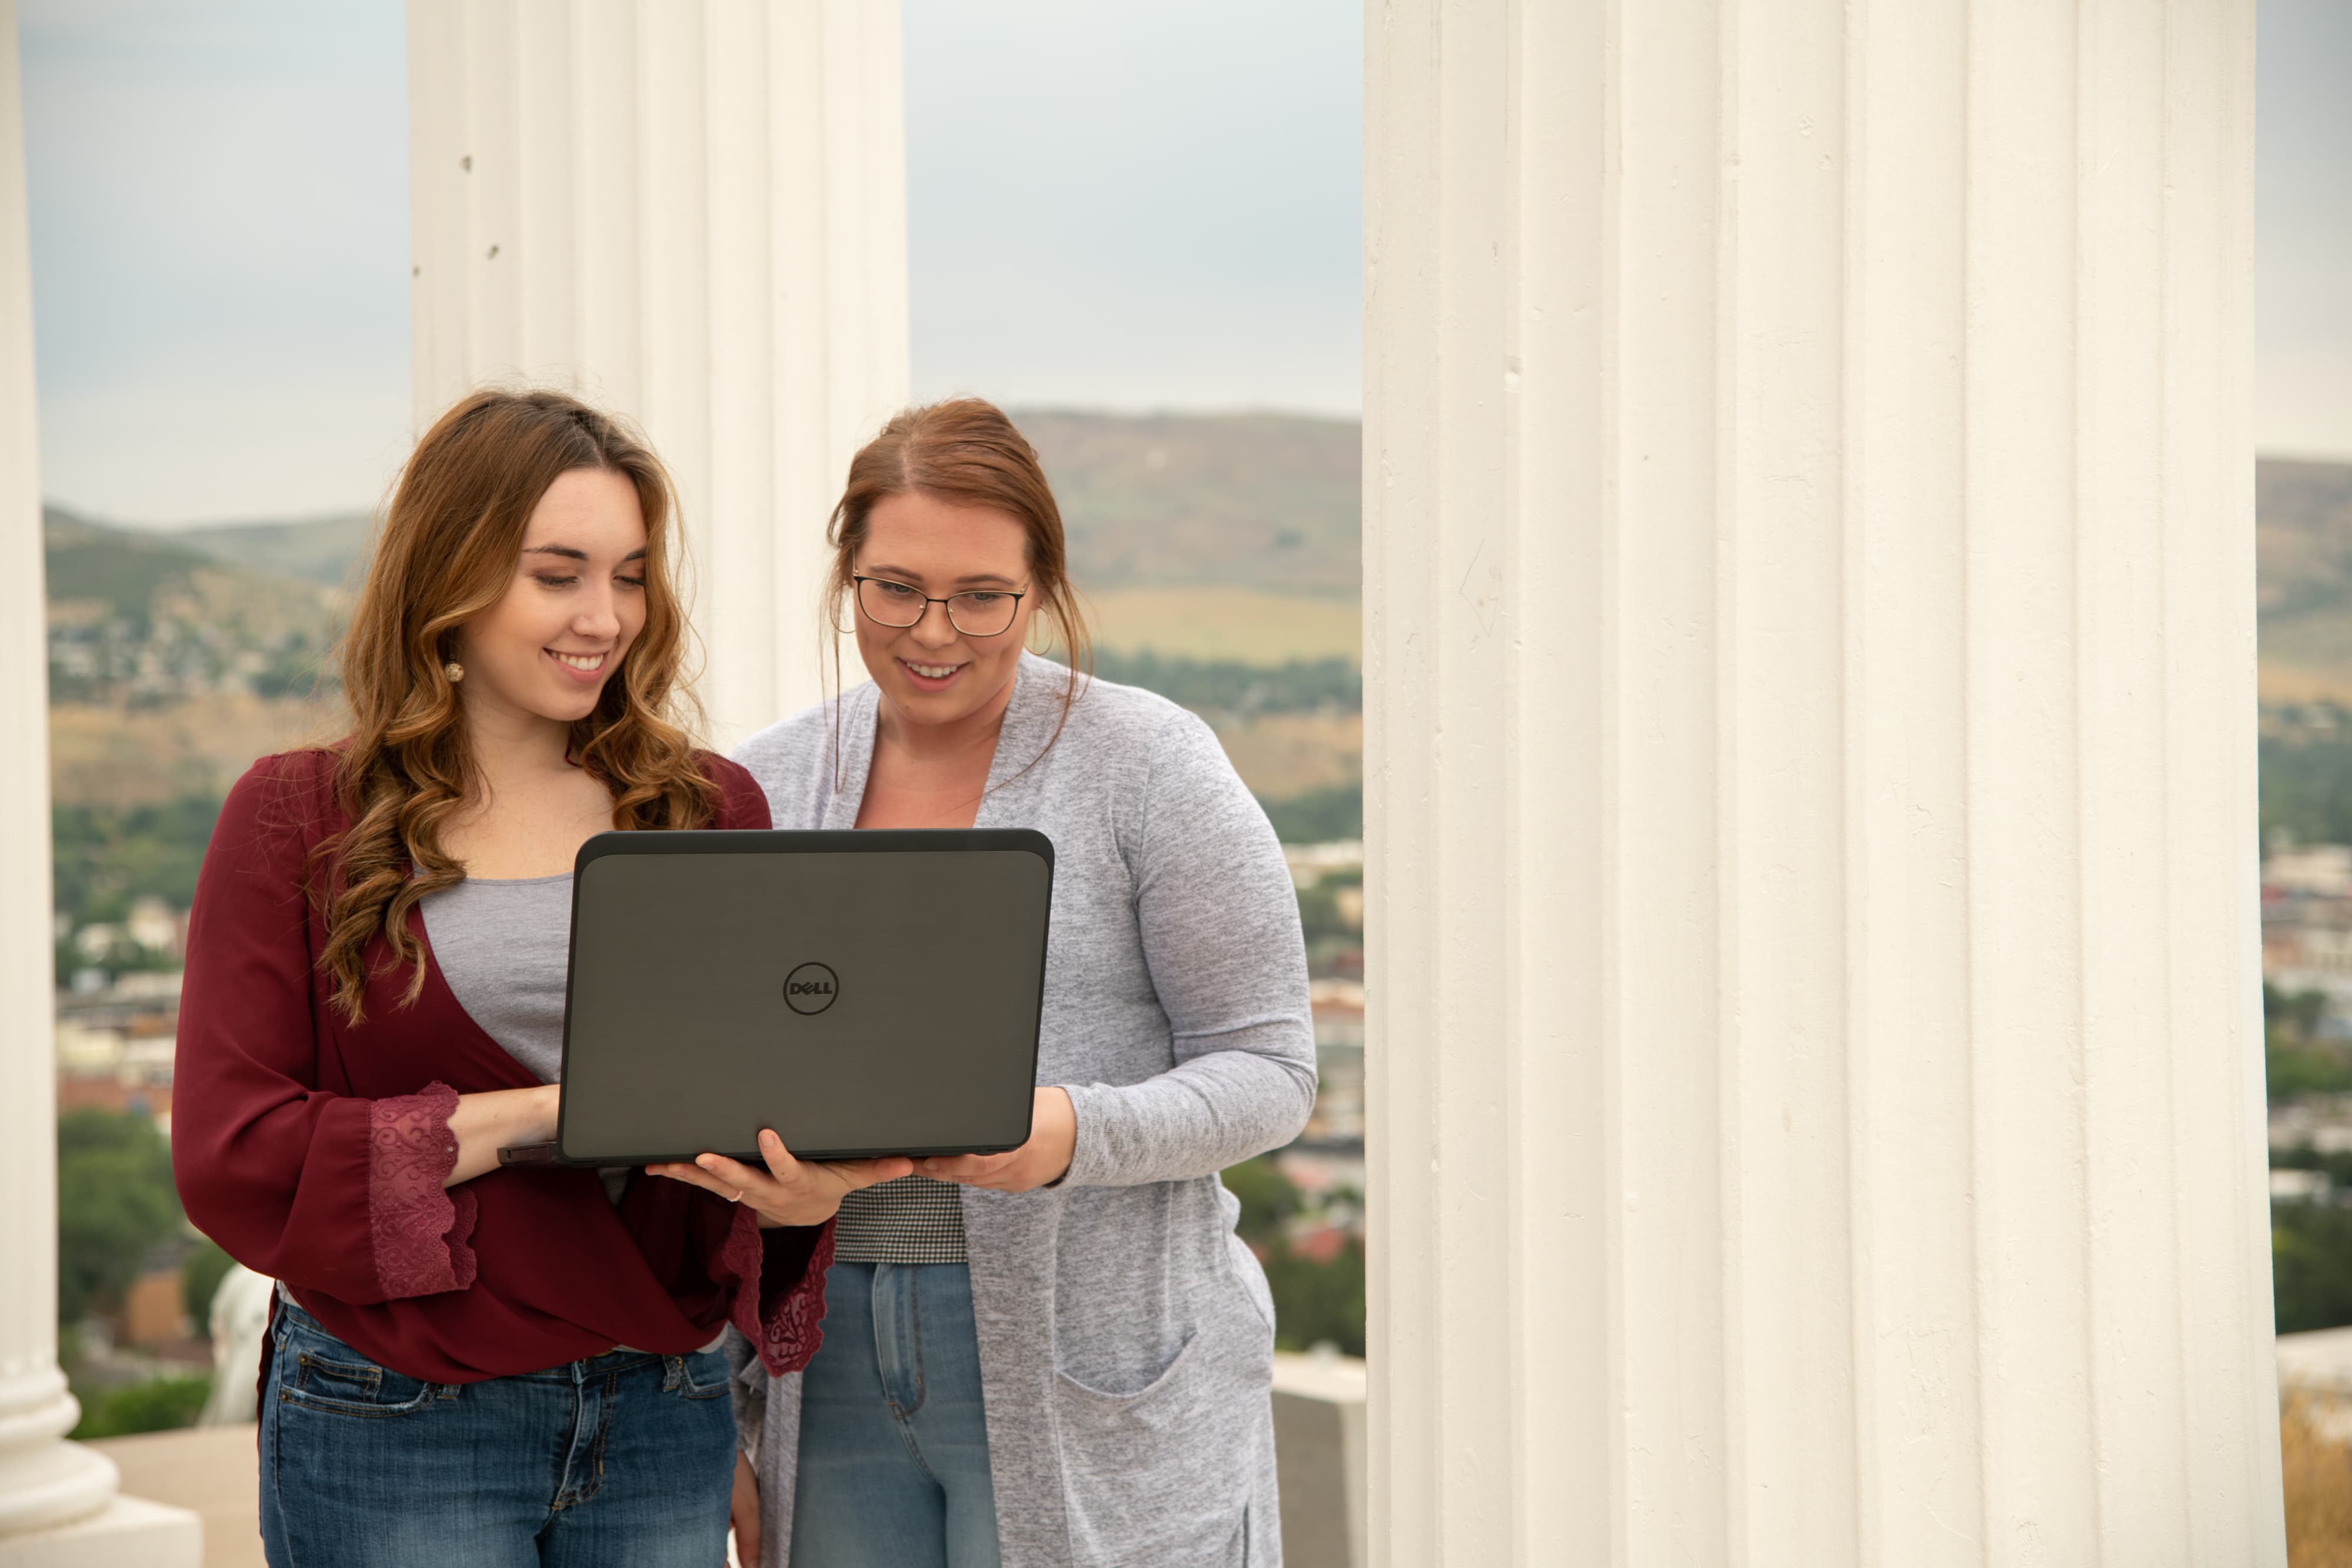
1266, 501
2302, 553
142, 617
324, 550
1233, 539
131, 570
1270, 501
92, 564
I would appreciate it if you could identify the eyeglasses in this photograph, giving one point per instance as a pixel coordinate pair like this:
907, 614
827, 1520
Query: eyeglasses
986, 613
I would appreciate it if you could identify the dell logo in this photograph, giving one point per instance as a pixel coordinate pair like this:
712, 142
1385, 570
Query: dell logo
811, 989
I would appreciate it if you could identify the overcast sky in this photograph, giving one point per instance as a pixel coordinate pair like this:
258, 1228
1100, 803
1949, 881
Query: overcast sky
1106, 210
2303, 228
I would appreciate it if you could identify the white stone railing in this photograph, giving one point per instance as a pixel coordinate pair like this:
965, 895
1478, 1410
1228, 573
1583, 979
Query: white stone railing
1320, 1446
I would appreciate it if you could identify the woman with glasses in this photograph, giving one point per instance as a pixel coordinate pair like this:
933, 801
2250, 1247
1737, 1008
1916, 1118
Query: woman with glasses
1063, 1355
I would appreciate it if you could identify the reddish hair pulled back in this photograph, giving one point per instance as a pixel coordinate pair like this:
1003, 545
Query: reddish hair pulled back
963, 450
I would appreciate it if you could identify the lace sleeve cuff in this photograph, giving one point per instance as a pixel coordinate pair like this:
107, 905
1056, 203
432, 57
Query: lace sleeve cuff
420, 1228
779, 1288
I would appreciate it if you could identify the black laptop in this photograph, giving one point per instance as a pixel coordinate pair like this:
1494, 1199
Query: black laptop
862, 993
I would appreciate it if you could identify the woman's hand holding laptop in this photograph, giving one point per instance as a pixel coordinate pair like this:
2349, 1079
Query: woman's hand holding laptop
791, 1191
1044, 1160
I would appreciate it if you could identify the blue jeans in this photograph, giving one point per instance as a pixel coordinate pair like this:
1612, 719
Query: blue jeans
623, 1461
894, 1444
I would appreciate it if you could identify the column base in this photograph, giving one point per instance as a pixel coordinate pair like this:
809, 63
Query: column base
129, 1532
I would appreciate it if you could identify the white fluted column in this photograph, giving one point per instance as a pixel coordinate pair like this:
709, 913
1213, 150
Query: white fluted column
1816, 1053
57, 1501
693, 211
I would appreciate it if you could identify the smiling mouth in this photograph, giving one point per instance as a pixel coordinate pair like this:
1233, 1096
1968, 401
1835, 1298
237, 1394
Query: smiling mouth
930, 672
586, 663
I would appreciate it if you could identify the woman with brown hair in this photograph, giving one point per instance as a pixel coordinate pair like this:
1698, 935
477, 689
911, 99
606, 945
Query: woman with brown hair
469, 1363
1061, 1355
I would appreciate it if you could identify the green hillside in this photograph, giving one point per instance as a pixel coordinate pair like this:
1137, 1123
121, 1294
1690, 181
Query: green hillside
1270, 501
2303, 533
323, 551
138, 575
1211, 538
1164, 509
142, 618
89, 563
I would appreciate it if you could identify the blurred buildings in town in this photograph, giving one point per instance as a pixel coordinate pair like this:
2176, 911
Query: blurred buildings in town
2307, 1007
1326, 1164
115, 1043
2308, 929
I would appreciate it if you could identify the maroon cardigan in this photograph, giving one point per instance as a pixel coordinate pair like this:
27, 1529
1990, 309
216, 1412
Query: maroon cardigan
314, 1152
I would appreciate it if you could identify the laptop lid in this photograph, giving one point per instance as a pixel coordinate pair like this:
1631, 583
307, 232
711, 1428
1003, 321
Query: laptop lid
862, 993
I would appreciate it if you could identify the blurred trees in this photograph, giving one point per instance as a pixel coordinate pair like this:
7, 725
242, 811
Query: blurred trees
2296, 1060
108, 855
1319, 816
1217, 685
200, 1278
1267, 1199
2311, 1266
158, 1405
115, 1201
2307, 787
1315, 1301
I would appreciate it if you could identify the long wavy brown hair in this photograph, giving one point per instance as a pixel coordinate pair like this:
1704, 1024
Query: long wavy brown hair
965, 451
447, 552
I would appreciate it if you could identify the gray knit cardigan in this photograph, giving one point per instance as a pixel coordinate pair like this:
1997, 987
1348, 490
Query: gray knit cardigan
1125, 1333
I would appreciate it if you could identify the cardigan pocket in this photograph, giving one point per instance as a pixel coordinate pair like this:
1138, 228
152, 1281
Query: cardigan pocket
1157, 1386
1163, 1474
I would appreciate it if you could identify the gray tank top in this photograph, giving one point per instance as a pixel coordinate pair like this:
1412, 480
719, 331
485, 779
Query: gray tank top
505, 947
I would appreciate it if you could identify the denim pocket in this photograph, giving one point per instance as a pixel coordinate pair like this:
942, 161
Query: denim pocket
704, 1374
316, 1371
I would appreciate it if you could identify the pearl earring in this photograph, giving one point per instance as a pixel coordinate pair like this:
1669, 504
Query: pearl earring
455, 671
